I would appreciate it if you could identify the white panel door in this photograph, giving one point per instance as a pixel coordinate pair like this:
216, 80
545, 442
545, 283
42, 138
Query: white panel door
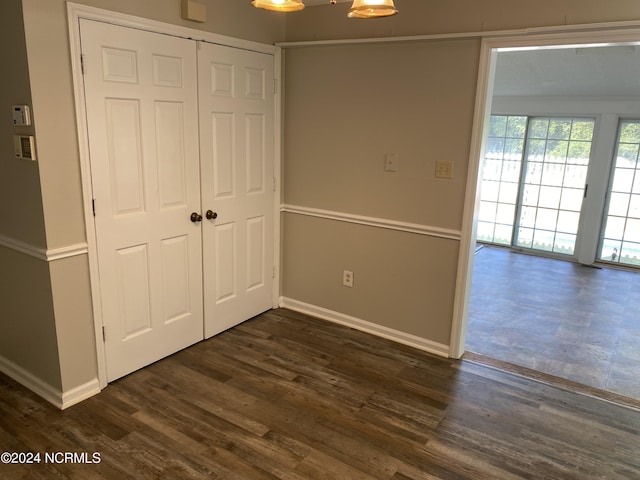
236, 147
141, 101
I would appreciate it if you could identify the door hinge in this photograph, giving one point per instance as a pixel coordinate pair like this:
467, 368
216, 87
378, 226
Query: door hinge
586, 188
274, 184
275, 85
273, 272
82, 63
93, 206
104, 335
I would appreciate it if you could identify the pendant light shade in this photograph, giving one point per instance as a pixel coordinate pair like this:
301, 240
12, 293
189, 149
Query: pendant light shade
279, 5
372, 9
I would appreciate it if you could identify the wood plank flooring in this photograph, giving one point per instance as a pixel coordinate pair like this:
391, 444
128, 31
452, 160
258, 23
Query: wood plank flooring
286, 396
557, 317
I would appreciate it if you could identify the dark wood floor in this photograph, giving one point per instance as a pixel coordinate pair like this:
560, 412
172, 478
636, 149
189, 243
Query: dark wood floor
557, 317
286, 396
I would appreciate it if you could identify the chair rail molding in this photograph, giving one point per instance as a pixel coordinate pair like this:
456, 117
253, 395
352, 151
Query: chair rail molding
428, 230
47, 255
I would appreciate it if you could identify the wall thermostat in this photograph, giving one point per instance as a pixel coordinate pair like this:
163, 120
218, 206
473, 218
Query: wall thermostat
21, 116
24, 147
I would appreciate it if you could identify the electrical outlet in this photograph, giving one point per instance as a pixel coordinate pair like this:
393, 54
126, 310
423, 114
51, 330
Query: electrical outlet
347, 278
444, 169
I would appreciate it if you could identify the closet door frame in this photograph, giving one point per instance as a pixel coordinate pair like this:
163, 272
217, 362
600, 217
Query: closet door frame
75, 12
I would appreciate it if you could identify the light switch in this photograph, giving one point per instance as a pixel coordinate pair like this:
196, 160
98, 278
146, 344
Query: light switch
444, 169
21, 115
391, 162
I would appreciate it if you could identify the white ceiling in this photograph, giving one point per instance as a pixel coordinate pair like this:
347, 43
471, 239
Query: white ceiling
611, 71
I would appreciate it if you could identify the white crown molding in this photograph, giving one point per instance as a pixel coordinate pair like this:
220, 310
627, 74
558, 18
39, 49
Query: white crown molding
416, 228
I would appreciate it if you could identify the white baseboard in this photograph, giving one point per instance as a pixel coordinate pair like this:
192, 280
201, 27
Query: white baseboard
365, 326
51, 394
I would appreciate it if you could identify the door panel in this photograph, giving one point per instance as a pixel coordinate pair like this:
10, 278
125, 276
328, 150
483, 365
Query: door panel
141, 101
236, 134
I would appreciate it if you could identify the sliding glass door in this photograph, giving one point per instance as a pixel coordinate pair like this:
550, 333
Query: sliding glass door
533, 182
552, 186
620, 237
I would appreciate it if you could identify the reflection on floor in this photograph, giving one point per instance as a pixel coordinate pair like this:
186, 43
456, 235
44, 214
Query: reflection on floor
557, 317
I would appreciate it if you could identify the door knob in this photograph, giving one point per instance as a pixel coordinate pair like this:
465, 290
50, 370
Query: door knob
196, 217
211, 215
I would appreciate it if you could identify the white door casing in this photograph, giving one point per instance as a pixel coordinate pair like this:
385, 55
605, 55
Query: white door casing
236, 101
142, 123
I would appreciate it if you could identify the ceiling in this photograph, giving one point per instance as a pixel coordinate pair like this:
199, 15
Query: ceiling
610, 71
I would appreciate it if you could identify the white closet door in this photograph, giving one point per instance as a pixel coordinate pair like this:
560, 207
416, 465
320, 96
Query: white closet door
236, 102
141, 101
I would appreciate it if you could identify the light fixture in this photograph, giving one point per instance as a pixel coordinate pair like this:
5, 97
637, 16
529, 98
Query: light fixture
372, 9
279, 5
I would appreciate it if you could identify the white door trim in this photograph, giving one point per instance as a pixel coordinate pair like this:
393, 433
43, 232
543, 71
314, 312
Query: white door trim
484, 93
74, 13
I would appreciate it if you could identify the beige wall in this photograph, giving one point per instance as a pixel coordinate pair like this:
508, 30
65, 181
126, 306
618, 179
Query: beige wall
21, 217
27, 324
346, 105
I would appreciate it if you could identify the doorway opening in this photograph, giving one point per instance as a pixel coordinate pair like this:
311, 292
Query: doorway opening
557, 180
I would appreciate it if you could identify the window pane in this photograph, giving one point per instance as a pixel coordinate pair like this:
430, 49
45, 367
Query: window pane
501, 177
627, 155
559, 129
572, 199
547, 219
516, 127
530, 195
632, 231
495, 148
564, 243
552, 174
485, 231
503, 233
550, 197
619, 204
615, 228
497, 125
528, 217
508, 193
582, 130
543, 240
505, 214
575, 176
487, 212
622, 180
568, 222
630, 132
489, 190
556, 151
620, 241
525, 237
538, 128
